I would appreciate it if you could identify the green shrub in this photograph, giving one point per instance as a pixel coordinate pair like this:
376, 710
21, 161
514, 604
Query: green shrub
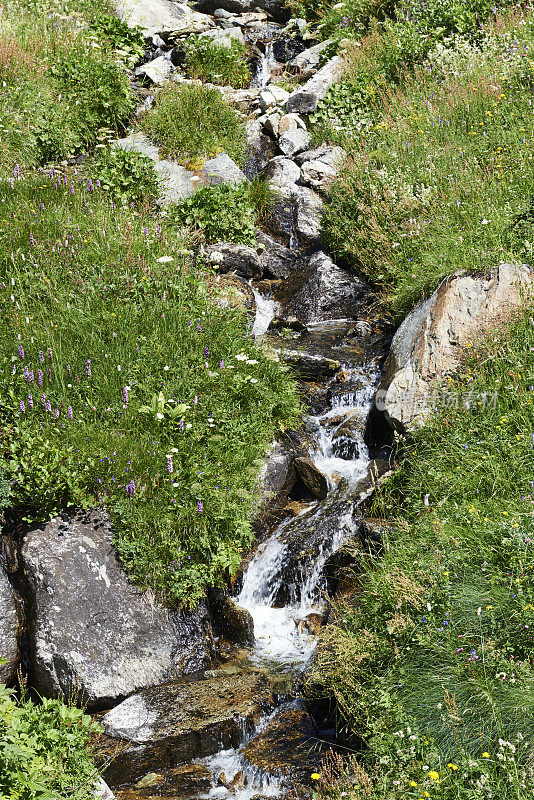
44, 750
216, 63
154, 400
194, 123
119, 34
127, 176
225, 213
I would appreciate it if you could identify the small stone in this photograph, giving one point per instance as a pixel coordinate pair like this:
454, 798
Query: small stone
221, 13
294, 141
272, 124
150, 779
290, 122
267, 99
157, 41
281, 171
279, 94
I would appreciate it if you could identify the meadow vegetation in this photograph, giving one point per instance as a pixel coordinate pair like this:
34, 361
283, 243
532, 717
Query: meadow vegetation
211, 62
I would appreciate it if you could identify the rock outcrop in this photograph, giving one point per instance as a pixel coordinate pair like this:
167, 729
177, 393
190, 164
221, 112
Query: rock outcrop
9, 631
91, 633
162, 17
428, 345
305, 99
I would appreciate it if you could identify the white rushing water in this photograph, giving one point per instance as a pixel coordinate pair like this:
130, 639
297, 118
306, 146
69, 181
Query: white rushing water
266, 64
281, 633
266, 310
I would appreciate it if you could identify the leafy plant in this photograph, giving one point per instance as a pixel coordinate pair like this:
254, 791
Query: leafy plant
194, 123
119, 34
127, 176
44, 750
217, 63
220, 213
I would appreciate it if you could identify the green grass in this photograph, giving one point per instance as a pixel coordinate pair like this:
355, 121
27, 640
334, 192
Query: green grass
44, 750
439, 178
60, 94
216, 63
437, 643
118, 301
194, 123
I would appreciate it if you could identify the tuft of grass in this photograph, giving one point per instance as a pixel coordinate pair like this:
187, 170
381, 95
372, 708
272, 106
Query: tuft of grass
217, 63
194, 123
432, 661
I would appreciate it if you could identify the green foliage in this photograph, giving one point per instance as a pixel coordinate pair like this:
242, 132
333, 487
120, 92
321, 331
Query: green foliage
225, 213
432, 658
194, 123
59, 89
154, 399
127, 176
44, 750
119, 35
443, 169
216, 63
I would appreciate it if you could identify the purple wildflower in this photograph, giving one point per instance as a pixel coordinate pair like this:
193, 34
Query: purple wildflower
49, 353
56, 413
22, 406
169, 464
30, 401
88, 367
26, 373
130, 488
69, 412
43, 399
21, 351
221, 364
49, 372
40, 377
41, 357
48, 407
206, 352
31, 376
68, 370
200, 507
125, 394
181, 425
199, 327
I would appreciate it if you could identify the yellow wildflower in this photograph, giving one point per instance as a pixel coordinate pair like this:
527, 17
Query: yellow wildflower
433, 775
453, 766
413, 783
485, 755
315, 776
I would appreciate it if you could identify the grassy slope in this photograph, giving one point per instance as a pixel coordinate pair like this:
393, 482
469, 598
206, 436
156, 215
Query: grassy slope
430, 660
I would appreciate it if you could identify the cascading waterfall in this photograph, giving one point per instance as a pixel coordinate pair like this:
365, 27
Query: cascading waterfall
282, 640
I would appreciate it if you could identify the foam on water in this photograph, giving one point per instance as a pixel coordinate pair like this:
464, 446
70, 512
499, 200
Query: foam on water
266, 309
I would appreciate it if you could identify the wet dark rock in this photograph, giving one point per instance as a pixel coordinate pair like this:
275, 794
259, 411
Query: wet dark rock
169, 725
9, 558
278, 11
312, 477
292, 323
275, 259
309, 366
239, 258
229, 619
9, 631
182, 783
305, 536
341, 567
278, 476
261, 148
324, 291
348, 438
287, 748
287, 47
195, 648
92, 635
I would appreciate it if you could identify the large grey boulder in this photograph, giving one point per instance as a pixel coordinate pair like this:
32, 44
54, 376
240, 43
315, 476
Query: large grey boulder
282, 171
307, 62
238, 258
305, 99
161, 17
9, 631
221, 169
294, 141
224, 37
428, 345
234, 6
91, 633
324, 292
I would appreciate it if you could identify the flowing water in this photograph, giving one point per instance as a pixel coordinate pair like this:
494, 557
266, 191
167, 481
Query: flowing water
282, 639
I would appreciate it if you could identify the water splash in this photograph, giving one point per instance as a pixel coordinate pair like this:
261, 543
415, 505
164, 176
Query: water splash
266, 310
